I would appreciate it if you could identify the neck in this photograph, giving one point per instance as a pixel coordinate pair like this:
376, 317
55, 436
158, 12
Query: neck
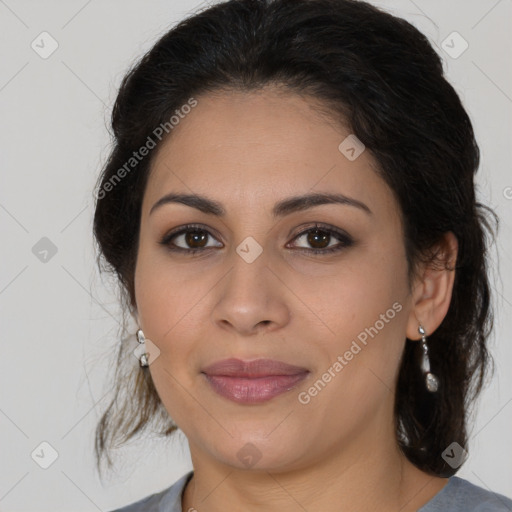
370, 475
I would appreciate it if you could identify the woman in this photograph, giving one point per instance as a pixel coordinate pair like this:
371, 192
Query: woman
289, 207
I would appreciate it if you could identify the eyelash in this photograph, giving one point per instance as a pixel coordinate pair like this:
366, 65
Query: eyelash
345, 239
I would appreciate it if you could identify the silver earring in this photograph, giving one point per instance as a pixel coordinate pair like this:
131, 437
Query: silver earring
143, 360
431, 381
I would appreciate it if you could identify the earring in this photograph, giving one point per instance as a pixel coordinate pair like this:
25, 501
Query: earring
143, 360
431, 381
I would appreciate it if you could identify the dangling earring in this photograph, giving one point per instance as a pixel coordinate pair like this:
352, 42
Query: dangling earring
144, 357
431, 381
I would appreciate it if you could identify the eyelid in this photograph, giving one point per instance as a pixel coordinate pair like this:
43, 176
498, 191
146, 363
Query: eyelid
344, 239
188, 227
181, 230
321, 227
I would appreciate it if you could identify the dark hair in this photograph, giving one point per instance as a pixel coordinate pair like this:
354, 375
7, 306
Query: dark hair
379, 76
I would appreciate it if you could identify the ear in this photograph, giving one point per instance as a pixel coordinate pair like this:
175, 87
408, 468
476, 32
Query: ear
432, 289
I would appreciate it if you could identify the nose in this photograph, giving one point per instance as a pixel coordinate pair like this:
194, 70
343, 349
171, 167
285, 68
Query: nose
251, 298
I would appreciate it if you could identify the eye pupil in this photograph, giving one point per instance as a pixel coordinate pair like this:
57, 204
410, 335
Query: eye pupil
199, 236
314, 236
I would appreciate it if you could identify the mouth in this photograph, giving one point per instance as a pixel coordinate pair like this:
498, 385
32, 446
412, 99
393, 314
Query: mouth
251, 382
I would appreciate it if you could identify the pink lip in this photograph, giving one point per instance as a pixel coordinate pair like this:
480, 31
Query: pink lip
253, 381
253, 390
257, 368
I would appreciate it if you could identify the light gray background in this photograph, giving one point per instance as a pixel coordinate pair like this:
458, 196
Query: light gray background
60, 318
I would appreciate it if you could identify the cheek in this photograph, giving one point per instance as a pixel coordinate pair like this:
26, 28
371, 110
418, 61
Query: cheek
158, 296
166, 304
174, 304
163, 301
365, 309
361, 364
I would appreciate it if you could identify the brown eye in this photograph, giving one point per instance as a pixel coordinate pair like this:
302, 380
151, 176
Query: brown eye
189, 239
196, 238
318, 238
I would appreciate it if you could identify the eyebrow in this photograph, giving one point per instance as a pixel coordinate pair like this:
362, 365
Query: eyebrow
280, 209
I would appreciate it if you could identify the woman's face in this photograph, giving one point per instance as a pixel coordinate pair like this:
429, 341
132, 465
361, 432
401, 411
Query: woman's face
256, 289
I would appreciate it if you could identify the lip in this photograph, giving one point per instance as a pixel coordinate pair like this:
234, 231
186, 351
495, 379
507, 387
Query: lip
257, 368
251, 382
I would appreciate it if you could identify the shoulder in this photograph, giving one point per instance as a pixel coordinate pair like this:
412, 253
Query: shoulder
460, 495
168, 500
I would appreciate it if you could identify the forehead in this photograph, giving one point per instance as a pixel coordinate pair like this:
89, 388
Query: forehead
258, 147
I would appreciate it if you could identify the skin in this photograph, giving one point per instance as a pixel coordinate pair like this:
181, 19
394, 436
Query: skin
338, 452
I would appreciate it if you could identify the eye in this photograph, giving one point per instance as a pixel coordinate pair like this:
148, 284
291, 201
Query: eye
192, 239
319, 237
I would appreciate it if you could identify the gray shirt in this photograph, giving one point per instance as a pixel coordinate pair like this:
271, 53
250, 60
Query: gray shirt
458, 495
